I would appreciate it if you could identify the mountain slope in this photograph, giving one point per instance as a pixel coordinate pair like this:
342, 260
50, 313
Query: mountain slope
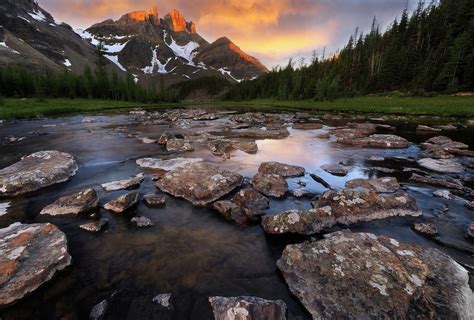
170, 49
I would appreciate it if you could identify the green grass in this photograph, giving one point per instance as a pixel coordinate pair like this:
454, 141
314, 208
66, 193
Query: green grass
438, 105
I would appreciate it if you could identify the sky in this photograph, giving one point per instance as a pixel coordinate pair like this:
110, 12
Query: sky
271, 30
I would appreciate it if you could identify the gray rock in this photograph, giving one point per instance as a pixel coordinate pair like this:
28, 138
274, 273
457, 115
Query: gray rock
247, 308
148, 141
82, 202
164, 301
99, 310
336, 169
442, 165
200, 183
142, 222
125, 184
361, 276
382, 141
384, 185
446, 182
94, 226
426, 129
122, 203
4, 208
446, 194
179, 145
281, 169
427, 229
30, 255
36, 171
167, 165
470, 205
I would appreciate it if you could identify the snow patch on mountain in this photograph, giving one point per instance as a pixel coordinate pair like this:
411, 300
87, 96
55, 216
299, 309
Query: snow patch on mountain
115, 47
4, 44
67, 63
115, 60
37, 15
155, 62
224, 71
187, 52
87, 36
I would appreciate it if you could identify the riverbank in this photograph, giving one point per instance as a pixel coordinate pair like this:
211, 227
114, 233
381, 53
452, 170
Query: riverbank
436, 106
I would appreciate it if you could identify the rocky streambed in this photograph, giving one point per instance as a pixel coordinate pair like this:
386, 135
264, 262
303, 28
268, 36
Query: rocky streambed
195, 214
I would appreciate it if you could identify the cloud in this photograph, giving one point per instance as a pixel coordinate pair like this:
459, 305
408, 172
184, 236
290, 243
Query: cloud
272, 30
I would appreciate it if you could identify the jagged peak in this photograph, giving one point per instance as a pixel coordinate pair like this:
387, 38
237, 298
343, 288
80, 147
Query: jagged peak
175, 21
141, 16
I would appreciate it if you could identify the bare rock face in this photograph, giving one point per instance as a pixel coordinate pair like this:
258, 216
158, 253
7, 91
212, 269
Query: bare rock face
442, 165
281, 169
427, 229
382, 141
382, 185
75, 204
38, 170
167, 165
200, 183
30, 255
175, 21
122, 203
125, 184
271, 185
361, 276
247, 308
336, 169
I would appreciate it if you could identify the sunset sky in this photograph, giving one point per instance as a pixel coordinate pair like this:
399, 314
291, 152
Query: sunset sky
271, 30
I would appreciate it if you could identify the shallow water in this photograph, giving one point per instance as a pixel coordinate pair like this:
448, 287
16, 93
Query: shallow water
190, 251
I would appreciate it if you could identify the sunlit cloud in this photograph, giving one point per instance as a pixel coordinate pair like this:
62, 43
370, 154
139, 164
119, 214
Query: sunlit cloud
271, 30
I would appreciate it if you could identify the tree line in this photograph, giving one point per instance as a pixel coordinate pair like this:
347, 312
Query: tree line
429, 51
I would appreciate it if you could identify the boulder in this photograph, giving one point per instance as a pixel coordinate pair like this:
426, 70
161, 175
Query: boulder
148, 141
251, 201
384, 185
79, 203
382, 141
442, 165
94, 226
154, 200
446, 194
427, 229
271, 185
200, 183
231, 212
122, 203
361, 276
305, 222
36, 171
307, 125
142, 222
426, 129
179, 145
125, 184
260, 134
30, 255
446, 182
281, 169
336, 169
247, 308
167, 165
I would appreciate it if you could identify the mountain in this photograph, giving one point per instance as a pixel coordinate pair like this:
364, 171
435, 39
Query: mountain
169, 48
31, 38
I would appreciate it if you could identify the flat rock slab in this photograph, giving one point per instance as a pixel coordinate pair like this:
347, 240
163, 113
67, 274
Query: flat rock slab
281, 169
200, 183
383, 185
427, 229
167, 165
442, 165
38, 170
382, 141
240, 308
75, 204
179, 145
142, 222
125, 184
307, 125
361, 276
155, 200
271, 185
336, 169
260, 134
122, 203
30, 255
94, 226
446, 182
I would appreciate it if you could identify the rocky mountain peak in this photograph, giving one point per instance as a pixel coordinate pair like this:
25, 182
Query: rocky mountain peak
141, 16
175, 21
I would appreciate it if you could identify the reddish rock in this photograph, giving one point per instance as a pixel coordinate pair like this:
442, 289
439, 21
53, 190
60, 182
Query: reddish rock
231, 212
281, 169
388, 184
175, 21
307, 125
382, 141
122, 203
75, 204
427, 229
271, 185
94, 226
155, 200
247, 308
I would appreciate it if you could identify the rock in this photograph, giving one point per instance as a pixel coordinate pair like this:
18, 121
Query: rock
301, 193
306, 222
251, 202
179, 145
442, 147
281, 169
4, 208
356, 130
142, 222
164, 138
122, 203
336, 169
271, 185
441, 165
307, 125
448, 127
231, 212
98, 311
470, 205
320, 180
82, 202
260, 134
148, 141
427, 229
446, 182
38, 170
382, 141
382, 169
125, 184
443, 194
200, 183
426, 129
470, 165
385, 185
30, 255
94, 226
224, 147
154, 200
164, 301
376, 158
470, 231
246, 308
361, 276
167, 165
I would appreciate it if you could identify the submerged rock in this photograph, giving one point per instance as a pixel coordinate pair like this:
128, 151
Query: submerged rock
271, 185
179, 145
384, 185
442, 165
281, 169
167, 165
125, 184
99, 310
247, 308
154, 200
427, 229
30, 255
75, 204
470, 231
142, 222
223, 147
122, 203
36, 171
470, 205
94, 226
231, 212
336, 169
200, 183
426, 129
446, 182
359, 275
164, 301
382, 141
148, 141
